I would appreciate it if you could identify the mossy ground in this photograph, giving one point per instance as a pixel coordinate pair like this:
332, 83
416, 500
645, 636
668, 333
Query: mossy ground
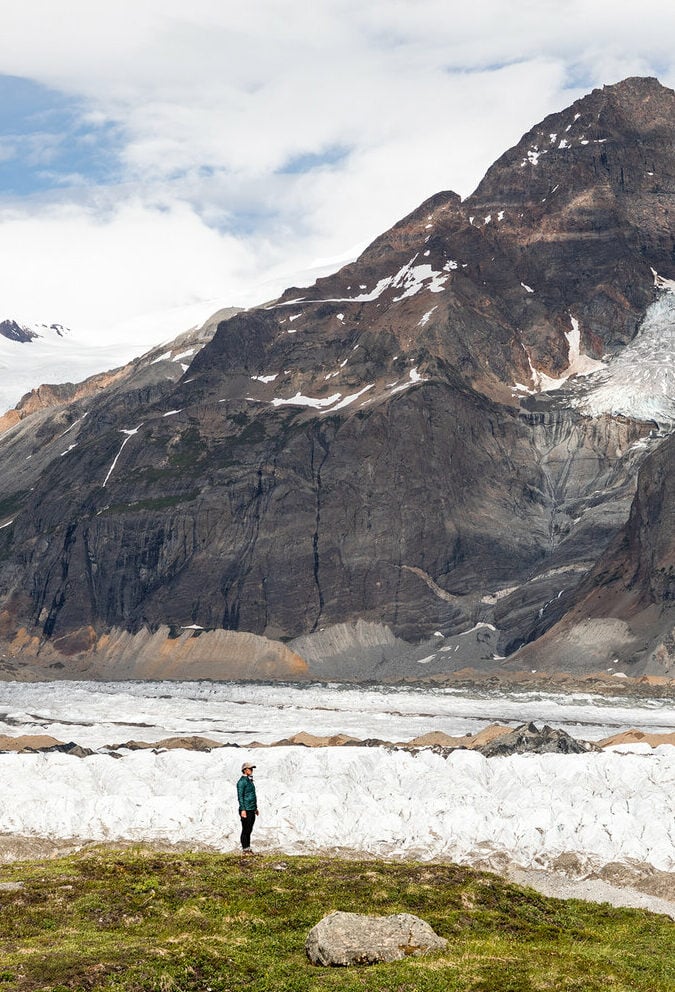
135, 919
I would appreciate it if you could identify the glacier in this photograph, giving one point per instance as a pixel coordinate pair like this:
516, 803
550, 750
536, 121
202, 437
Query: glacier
614, 806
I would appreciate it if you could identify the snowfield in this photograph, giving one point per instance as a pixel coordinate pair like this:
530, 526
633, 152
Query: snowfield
613, 806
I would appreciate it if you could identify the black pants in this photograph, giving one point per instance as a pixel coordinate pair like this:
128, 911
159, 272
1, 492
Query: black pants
247, 827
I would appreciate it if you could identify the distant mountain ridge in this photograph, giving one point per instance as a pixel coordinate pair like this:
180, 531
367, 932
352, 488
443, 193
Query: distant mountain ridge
24, 333
439, 439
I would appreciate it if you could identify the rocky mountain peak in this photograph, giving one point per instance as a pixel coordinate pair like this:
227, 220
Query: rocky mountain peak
642, 100
636, 117
563, 235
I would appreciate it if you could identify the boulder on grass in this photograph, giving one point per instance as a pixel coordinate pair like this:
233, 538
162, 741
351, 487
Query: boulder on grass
342, 939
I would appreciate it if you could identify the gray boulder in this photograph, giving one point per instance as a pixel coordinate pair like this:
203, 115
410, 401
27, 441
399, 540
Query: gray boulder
342, 939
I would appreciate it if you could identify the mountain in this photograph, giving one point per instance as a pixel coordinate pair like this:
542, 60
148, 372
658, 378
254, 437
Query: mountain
425, 457
24, 333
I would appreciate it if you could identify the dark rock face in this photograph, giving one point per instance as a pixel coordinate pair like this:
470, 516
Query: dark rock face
645, 551
376, 446
586, 194
15, 332
623, 612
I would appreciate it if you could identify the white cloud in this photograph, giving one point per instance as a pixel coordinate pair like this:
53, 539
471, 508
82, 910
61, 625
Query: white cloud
211, 100
95, 270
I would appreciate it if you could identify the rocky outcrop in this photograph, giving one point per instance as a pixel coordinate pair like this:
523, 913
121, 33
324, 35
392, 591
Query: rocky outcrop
623, 612
16, 332
637, 737
530, 739
403, 451
27, 742
52, 397
343, 939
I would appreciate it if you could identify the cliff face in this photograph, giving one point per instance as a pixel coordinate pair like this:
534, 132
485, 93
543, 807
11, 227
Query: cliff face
420, 440
622, 614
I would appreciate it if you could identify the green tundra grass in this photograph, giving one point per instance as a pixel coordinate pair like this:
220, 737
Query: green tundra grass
134, 919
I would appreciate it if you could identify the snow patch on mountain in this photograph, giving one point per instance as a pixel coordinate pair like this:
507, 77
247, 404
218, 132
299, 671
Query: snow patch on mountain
532, 156
336, 401
424, 319
329, 403
413, 378
300, 400
352, 398
639, 382
128, 435
410, 278
579, 364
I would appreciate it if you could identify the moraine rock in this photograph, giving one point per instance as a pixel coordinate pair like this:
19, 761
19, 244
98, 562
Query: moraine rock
529, 739
343, 939
71, 748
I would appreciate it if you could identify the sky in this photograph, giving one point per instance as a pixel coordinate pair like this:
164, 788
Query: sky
160, 157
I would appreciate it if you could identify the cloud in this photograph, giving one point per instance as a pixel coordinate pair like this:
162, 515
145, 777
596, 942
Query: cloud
96, 271
213, 143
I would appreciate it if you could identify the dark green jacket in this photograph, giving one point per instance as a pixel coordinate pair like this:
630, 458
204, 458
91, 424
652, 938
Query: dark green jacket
246, 794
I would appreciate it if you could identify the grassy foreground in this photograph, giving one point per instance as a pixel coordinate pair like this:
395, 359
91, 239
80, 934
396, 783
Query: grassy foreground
137, 920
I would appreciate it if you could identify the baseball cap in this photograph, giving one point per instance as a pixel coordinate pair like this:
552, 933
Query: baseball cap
247, 764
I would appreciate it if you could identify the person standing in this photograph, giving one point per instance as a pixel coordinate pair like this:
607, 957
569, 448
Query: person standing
248, 805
